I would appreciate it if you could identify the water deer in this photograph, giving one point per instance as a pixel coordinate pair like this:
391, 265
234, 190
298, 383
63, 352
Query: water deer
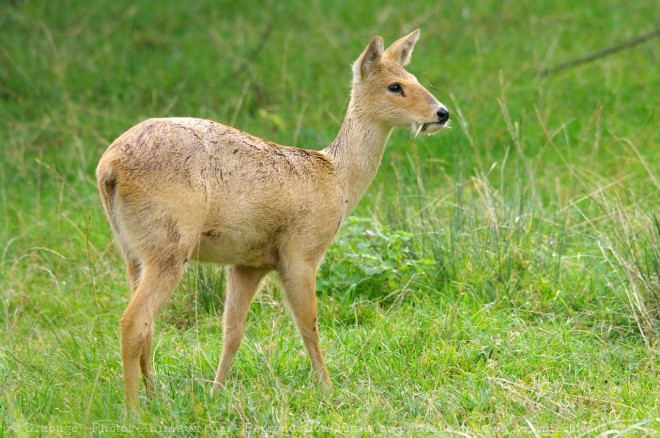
176, 189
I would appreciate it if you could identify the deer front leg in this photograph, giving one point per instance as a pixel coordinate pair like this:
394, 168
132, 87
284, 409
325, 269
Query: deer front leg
242, 284
300, 290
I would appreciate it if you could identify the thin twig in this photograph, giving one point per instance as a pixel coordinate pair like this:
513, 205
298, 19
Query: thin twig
252, 56
602, 53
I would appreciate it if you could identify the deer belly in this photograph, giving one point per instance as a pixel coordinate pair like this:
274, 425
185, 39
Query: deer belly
236, 249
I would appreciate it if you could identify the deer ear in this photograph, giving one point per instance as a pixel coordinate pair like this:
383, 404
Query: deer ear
401, 50
370, 57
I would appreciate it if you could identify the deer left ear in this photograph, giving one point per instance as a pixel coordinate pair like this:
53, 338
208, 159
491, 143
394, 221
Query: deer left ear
369, 57
401, 50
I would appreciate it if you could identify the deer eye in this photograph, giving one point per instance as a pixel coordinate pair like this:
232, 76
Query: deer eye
395, 88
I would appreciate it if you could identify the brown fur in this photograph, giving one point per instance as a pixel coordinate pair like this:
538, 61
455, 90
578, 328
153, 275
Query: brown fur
180, 188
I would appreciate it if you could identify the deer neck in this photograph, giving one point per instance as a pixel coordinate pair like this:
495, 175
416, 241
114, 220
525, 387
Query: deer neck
357, 152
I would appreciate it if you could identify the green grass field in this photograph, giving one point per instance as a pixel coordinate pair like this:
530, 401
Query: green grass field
500, 278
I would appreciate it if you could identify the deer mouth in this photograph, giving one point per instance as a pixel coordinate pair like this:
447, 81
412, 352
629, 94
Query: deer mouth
427, 128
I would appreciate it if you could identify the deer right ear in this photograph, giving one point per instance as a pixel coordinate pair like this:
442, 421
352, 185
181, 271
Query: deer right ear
368, 58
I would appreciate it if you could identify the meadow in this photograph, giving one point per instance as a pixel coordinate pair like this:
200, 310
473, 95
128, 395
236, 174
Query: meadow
502, 277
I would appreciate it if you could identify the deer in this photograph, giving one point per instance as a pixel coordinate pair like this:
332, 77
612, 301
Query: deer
181, 189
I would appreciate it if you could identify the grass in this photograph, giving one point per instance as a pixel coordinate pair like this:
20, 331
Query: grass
502, 278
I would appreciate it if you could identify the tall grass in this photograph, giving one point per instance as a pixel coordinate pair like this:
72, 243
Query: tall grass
633, 253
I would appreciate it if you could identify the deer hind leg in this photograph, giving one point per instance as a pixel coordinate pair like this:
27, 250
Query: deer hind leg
134, 268
300, 290
145, 363
242, 285
134, 272
158, 280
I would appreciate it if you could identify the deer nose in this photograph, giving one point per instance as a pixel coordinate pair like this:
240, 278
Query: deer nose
443, 115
